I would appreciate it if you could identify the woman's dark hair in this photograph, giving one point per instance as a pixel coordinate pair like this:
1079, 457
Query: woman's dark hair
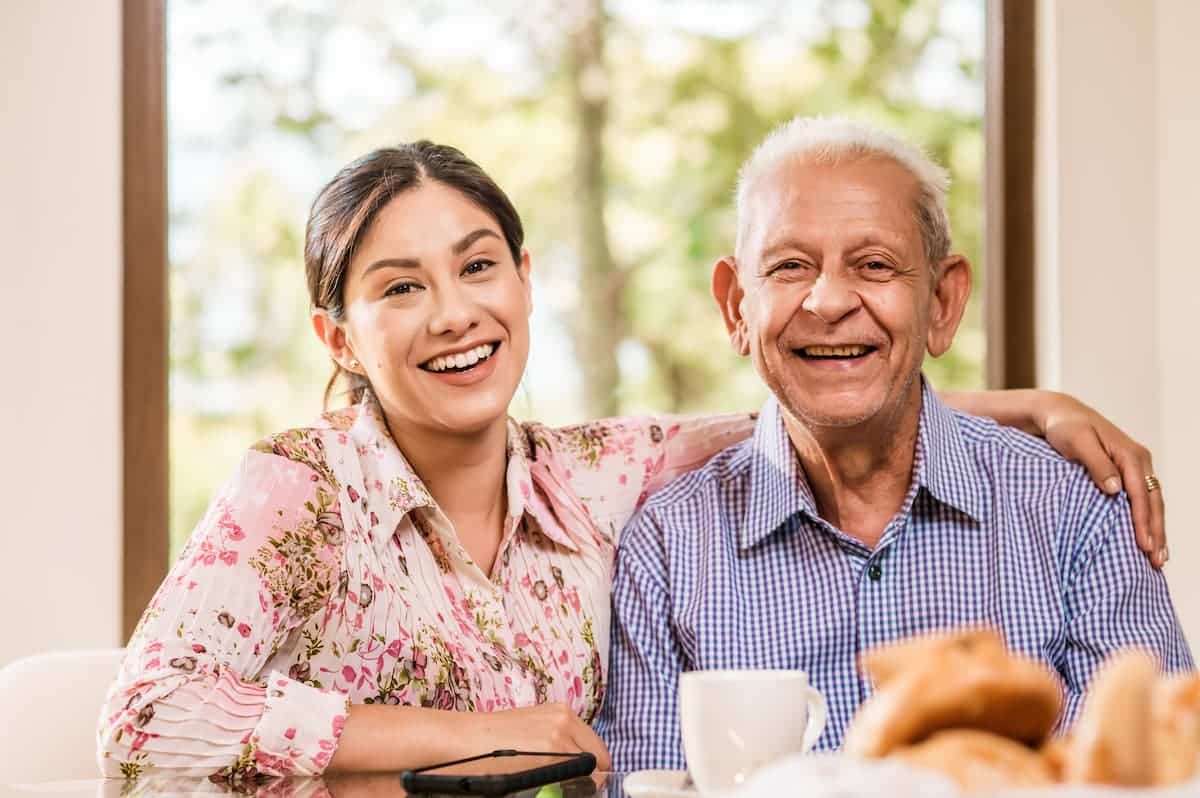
345, 208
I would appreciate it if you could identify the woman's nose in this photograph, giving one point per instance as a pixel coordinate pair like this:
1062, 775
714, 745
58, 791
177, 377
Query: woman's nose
454, 312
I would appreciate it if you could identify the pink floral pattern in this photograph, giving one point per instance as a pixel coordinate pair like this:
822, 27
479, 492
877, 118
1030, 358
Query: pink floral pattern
324, 575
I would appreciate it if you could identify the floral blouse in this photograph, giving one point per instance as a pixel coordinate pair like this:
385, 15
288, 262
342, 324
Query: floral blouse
324, 574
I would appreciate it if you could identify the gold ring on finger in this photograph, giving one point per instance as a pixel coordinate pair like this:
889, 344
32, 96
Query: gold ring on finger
1152, 483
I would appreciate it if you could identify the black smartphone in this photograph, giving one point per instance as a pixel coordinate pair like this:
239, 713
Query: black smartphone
498, 773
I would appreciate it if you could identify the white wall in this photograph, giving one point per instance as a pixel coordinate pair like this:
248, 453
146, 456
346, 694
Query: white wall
60, 212
1118, 197
1179, 293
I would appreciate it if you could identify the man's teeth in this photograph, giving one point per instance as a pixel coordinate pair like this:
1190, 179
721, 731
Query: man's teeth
462, 359
835, 351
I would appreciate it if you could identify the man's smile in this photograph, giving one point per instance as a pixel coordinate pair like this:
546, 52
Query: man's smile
836, 352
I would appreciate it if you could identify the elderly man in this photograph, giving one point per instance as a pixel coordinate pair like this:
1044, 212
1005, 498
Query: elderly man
862, 510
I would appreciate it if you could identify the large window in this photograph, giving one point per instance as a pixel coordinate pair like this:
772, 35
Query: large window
267, 99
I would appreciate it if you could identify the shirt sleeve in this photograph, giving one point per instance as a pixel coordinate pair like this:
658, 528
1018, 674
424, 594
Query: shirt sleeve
191, 695
614, 464
639, 720
1115, 599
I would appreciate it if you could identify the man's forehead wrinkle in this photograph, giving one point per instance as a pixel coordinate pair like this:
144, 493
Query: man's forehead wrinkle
788, 211
790, 199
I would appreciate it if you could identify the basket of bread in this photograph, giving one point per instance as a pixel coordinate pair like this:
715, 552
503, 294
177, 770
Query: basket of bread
963, 706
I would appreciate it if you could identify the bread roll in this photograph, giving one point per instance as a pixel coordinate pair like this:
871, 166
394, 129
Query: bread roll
1175, 718
1112, 743
965, 681
1055, 753
979, 760
884, 663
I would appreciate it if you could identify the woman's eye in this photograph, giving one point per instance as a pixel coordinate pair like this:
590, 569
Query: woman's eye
400, 288
477, 266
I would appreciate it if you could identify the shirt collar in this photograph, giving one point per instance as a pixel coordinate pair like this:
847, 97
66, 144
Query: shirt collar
942, 465
384, 463
778, 489
403, 491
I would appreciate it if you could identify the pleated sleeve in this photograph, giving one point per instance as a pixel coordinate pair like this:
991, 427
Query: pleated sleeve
194, 693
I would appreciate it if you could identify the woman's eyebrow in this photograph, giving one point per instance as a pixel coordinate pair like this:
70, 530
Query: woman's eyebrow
458, 248
401, 263
470, 238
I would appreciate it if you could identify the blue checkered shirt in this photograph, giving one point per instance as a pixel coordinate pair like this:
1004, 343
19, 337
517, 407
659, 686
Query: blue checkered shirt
731, 566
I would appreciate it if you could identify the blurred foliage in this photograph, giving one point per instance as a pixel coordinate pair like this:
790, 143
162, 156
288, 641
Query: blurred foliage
684, 105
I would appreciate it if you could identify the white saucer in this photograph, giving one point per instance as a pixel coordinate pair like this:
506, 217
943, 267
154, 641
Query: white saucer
659, 784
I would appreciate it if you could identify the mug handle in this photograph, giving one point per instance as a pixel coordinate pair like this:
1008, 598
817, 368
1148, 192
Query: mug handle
817, 714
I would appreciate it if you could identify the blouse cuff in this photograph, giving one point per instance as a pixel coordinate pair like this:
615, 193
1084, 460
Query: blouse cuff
299, 729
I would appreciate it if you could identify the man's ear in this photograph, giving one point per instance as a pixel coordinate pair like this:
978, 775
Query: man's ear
333, 335
951, 290
727, 290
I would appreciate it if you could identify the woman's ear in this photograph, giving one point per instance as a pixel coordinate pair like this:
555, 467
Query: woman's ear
333, 336
727, 290
523, 269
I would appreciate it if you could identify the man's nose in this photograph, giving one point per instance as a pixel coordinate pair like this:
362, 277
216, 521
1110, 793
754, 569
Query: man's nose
454, 311
831, 298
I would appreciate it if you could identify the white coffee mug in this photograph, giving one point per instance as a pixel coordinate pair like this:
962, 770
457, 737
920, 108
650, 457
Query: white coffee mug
736, 721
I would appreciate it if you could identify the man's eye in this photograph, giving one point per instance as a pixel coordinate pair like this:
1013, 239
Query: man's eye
877, 268
478, 266
789, 265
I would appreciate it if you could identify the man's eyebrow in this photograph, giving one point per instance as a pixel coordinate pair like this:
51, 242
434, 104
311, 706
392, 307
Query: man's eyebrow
459, 247
874, 240
786, 245
862, 242
470, 238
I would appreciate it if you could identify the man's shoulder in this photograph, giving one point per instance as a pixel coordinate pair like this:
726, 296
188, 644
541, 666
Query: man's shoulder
1038, 495
1023, 468
992, 444
725, 472
672, 518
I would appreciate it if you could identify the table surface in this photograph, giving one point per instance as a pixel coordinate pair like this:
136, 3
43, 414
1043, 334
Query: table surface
599, 785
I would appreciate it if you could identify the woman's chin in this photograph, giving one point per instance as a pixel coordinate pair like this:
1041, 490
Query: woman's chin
473, 417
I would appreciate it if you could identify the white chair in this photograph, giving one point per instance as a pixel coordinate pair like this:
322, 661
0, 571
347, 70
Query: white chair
49, 707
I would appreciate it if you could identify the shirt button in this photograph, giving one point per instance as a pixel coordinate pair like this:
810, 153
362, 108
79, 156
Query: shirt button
875, 572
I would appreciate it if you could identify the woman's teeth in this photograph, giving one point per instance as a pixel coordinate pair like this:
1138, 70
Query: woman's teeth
462, 360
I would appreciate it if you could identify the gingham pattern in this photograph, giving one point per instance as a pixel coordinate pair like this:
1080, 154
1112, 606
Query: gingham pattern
731, 567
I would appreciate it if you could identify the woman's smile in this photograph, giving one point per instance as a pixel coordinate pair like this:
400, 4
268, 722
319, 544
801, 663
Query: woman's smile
464, 366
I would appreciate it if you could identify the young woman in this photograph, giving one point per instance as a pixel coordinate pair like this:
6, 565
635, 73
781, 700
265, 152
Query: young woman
417, 577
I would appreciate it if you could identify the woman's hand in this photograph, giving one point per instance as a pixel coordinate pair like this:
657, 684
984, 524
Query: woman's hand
552, 728
1112, 458
361, 785
381, 738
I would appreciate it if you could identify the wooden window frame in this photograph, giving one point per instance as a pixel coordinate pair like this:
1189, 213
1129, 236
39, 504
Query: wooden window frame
144, 330
1011, 102
1009, 224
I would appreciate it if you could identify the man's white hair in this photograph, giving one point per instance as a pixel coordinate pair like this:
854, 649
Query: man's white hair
832, 140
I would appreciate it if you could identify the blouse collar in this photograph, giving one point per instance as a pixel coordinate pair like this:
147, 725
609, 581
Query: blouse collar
531, 479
